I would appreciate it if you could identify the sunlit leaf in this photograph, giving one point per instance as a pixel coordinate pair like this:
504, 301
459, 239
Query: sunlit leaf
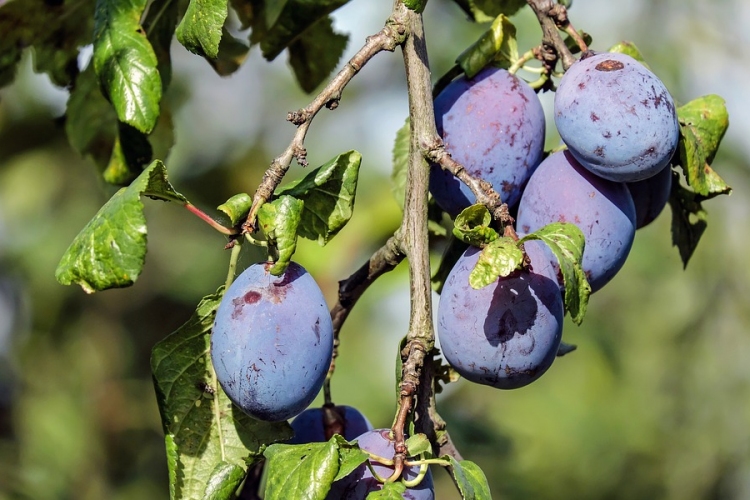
498, 259
471, 481
472, 226
237, 207
497, 45
201, 28
280, 220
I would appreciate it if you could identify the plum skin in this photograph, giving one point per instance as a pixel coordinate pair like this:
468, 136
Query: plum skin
650, 196
616, 117
309, 426
360, 482
561, 190
506, 334
272, 342
493, 124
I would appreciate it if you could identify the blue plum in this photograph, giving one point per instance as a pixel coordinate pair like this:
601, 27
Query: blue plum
506, 334
616, 117
358, 484
310, 425
561, 190
650, 196
493, 124
272, 342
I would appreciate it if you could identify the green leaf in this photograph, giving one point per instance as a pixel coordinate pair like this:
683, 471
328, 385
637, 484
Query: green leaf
573, 45
328, 193
629, 49
130, 152
567, 243
472, 226
390, 491
160, 24
301, 471
689, 219
206, 429
497, 45
315, 53
280, 220
237, 207
350, 457
703, 122
224, 481
55, 30
498, 259
126, 63
416, 5
110, 250
232, 53
201, 28
400, 163
471, 481
483, 11
418, 444
295, 18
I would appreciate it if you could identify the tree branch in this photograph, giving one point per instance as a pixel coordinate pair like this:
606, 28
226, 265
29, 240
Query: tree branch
388, 39
552, 16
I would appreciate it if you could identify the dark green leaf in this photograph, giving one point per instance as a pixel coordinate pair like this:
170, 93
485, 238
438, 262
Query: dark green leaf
689, 220
484, 11
56, 31
390, 491
301, 471
160, 24
567, 242
315, 53
328, 193
232, 53
400, 163
497, 45
472, 226
201, 27
224, 481
295, 18
416, 5
630, 49
237, 207
207, 430
130, 152
470, 479
418, 444
110, 250
280, 220
703, 122
126, 63
498, 259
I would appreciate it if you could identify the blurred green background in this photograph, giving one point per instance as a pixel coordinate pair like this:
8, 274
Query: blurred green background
655, 403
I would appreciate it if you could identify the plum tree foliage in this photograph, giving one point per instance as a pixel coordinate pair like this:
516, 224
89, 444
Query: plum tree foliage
258, 351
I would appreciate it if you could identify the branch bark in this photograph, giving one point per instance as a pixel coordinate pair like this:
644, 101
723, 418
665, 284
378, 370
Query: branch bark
552, 15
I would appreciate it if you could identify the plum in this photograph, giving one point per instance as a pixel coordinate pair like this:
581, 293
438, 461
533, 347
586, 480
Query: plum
561, 190
506, 334
272, 342
616, 117
493, 124
358, 484
650, 196
309, 426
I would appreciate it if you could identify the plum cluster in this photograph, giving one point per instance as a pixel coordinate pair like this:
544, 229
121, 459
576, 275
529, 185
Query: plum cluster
620, 127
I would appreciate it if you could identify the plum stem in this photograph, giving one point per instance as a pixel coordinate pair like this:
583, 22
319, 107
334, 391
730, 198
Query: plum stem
229, 231
386, 39
552, 16
233, 258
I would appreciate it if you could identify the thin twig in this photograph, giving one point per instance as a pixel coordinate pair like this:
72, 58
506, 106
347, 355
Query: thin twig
386, 39
552, 16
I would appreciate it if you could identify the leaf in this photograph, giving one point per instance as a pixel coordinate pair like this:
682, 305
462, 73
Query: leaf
160, 24
418, 444
110, 250
390, 491
197, 416
232, 53
471, 481
295, 18
416, 5
629, 49
498, 259
497, 45
301, 471
280, 220
350, 457
201, 28
472, 226
55, 30
573, 45
567, 243
400, 163
130, 152
703, 122
328, 193
224, 481
126, 63
483, 11
237, 207
315, 53
689, 220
